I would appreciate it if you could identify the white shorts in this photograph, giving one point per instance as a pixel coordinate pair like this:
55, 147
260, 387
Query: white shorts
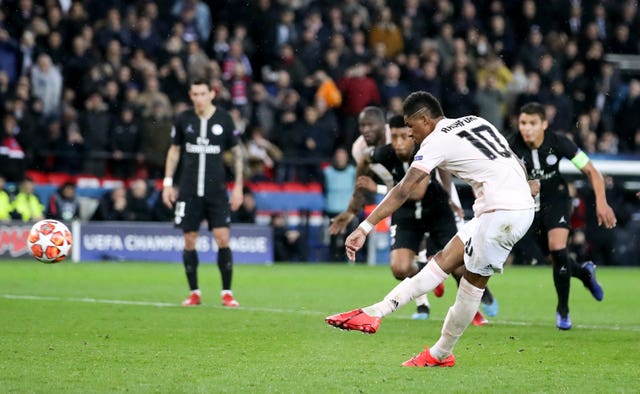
488, 239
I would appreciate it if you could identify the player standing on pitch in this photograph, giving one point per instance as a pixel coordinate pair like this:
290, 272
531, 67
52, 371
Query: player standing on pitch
541, 153
200, 136
472, 149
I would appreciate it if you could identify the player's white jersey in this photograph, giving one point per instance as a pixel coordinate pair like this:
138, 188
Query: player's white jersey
472, 149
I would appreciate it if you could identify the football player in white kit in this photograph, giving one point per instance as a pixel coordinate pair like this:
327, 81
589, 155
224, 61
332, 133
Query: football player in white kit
473, 150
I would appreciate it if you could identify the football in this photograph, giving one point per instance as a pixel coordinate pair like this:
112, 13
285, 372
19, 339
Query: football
49, 241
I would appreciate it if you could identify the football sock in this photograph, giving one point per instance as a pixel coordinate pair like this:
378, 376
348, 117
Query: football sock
458, 318
577, 271
487, 297
410, 288
422, 300
562, 279
421, 259
225, 265
190, 261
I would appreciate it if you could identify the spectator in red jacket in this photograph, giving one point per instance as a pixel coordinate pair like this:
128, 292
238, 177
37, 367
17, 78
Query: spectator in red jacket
358, 91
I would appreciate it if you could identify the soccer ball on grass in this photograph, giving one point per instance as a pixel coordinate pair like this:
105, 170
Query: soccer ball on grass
49, 241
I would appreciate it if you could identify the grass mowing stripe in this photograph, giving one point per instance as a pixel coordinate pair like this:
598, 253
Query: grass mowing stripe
277, 310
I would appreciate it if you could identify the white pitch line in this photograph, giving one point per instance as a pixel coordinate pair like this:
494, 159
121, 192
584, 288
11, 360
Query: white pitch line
278, 310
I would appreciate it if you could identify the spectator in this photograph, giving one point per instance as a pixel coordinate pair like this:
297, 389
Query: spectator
26, 205
73, 152
113, 206
9, 56
386, 32
150, 95
138, 202
533, 49
12, 157
263, 109
248, 211
628, 121
126, 138
63, 204
46, 82
95, 123
156, 130
5, 202
391, 85
358, 91
460, 98
490, 101
49, 152
288, 243
197, 11
290, 140
236, 55
310, 51
146, 37
339, 182
261, 156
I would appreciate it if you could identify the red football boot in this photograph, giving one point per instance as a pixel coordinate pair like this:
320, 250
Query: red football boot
356, 319
479, 320
193, 300
229, 301
425, 359
439, 290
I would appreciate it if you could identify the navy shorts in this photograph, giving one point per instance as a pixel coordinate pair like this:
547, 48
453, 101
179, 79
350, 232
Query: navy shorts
409, 233
191, 211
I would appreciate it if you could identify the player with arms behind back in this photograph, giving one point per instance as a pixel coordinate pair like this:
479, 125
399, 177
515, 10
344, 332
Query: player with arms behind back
474, 151
200, 137
541, 153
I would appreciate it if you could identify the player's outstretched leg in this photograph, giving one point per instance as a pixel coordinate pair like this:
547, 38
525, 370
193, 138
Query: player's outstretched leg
368, 319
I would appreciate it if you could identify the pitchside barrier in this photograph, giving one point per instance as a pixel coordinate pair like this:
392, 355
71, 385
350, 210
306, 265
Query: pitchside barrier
144, 241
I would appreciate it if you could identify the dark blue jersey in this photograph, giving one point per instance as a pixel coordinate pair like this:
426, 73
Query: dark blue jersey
203, 142
435, 197
543, 164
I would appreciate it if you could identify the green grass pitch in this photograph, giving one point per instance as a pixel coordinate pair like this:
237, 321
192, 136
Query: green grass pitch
117, 327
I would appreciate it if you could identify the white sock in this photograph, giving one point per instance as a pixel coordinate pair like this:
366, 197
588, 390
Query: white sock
196, 291
424, 281
422, 300
223, 292
458, 318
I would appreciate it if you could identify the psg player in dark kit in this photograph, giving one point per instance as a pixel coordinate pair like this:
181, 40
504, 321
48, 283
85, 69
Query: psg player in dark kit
200, 136
541, 153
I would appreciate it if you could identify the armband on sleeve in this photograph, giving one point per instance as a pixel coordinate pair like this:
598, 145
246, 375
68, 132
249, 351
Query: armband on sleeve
580, 159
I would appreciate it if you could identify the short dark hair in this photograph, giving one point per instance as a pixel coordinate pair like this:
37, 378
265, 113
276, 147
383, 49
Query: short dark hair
200, 81
419, 100
534, 108
397, 121
375, 112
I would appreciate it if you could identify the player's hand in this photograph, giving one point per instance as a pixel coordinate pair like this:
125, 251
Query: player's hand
354, 242
168, 196
457, 210
606, 216
534, 185
365, 182
340, 222
236, 199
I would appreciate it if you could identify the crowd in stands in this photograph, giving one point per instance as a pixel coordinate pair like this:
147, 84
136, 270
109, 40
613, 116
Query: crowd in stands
91, 86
